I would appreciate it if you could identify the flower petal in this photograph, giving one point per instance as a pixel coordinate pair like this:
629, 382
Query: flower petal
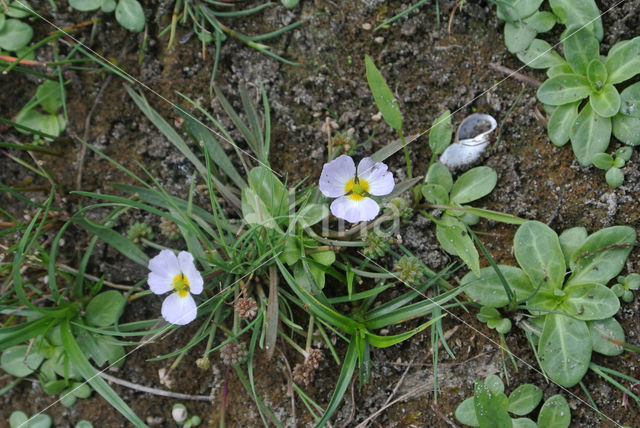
354, 211
164, 267
335, 176
179, 310
187, 267
375, 173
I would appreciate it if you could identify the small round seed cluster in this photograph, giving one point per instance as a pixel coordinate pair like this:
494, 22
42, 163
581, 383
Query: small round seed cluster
203, 363
169, 229
305, 373
409, 270
376, 244
246, 308
233, 353
138, 231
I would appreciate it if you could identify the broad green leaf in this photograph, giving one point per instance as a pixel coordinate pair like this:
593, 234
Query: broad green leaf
130, 15
602, 256
614, 177
312, 214
435, 194
524, 423
386, 102
80, 390
85, 5
2, 20
46, 123
518, 36
563, 68
488, 214
564, 349
489, 291
15, 35
561, 122
563, 89
625, 129
494, 383
541, 21
440, 133
18, 419
524, 399
20, 361
456, 234
537, 250
630, 101
108, 6
439, 174
577, 14
473, 184
603, 161
514, 10
271, 191
105, 308
254, 210
590, 135
624, 63
67, 399
555, 413
20, 9
325, 257
540, 54
580, 48
49, 96
466, 413
571, 240
489, 410
597, 73
589, 302
607, 336
605, 102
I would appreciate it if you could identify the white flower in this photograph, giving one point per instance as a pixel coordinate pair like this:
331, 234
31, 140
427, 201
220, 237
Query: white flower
340, 180
177, 274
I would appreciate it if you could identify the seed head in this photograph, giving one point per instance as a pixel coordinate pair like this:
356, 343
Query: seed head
409, 269
246, 308
233, 353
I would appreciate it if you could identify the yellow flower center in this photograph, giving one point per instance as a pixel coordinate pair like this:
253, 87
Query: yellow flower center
180, 283
358, 188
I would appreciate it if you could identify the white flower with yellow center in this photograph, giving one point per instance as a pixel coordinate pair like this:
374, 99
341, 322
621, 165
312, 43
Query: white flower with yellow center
339, 179
177, 274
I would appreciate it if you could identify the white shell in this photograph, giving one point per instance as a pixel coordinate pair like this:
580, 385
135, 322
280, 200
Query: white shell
469, 143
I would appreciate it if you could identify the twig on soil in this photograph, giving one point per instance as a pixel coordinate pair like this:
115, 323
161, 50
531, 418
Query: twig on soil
518, 76
155, 391
443, 417
288, 373
412, 393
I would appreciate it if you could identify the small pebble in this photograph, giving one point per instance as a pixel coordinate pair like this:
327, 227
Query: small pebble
376, 117
366, 26
379, 40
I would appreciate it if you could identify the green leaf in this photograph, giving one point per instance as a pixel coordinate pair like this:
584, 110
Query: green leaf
114, 239
580, 48
607, 336
625, 129
455, 233
541, 21
80, 362
312, 214
271, 191
292, 250
602, 256
614, 177
439, 174
623, 154
563, 89
15, 35
325, 258
590, 135
555, 413
435, 194
18, 419
564, 349
495, 384
524, 399
49, 96
518, 36
514, 10
556, 70
80, 390
466, 413
108, 6
67, 399
487, 289
570, 241
603, 161
473, 184
589, 302
597, 73
489, 410
386, 102
630, 101
85, 5
105, 308
130, 15
577, 14
524, 423
20, 9
561, 122
537, 250
540, 54
624, 63
17, 362
605, 102
440, 133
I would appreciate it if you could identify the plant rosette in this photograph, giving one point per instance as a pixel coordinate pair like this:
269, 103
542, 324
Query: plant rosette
574, 316
129, 13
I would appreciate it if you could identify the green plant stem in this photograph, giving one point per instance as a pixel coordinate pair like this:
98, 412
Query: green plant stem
406, 154
307, 346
